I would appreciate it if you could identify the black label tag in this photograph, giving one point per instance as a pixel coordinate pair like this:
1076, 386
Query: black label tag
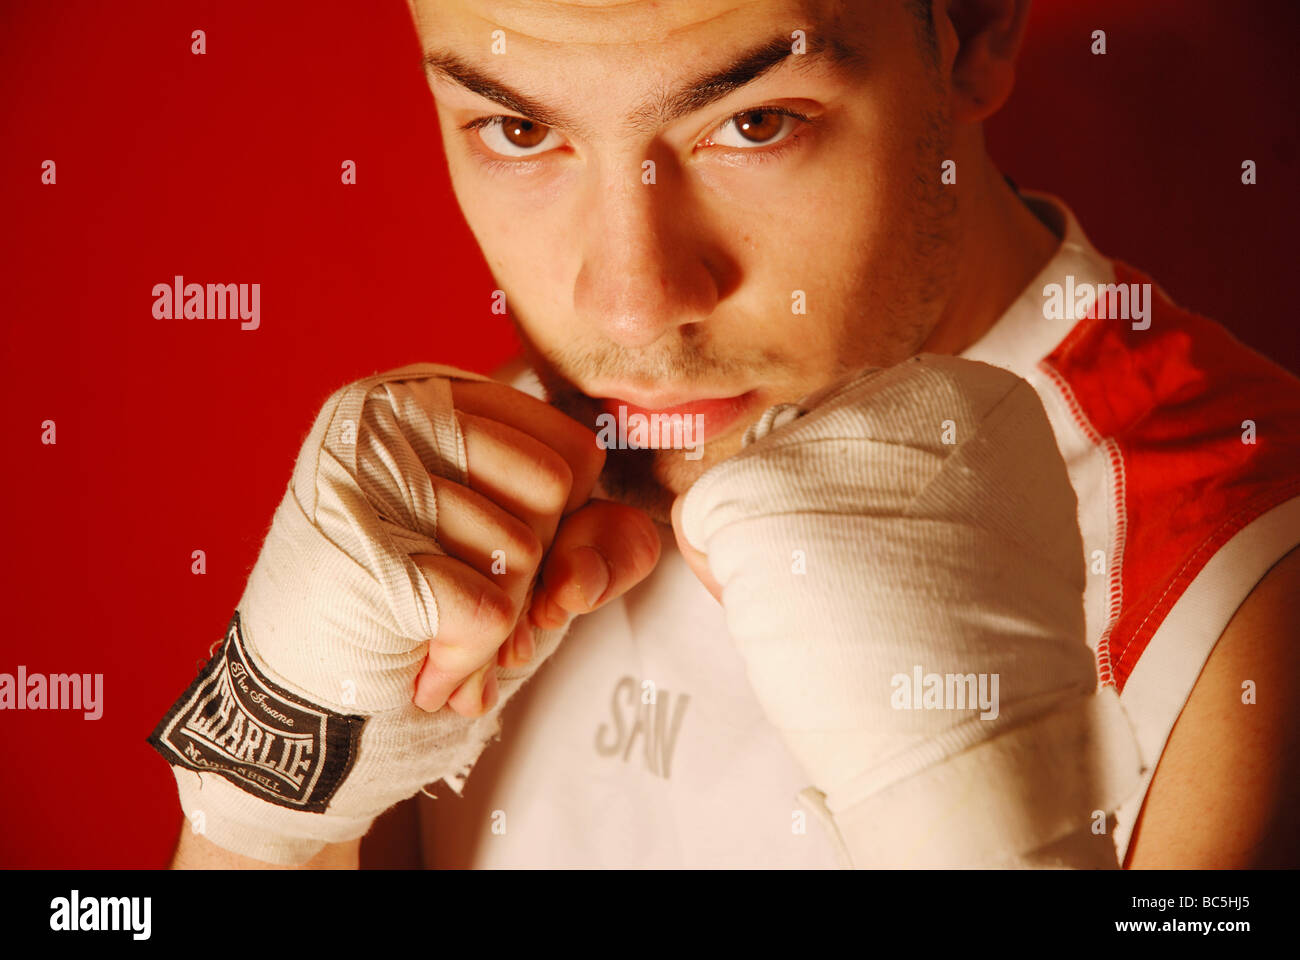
234, 722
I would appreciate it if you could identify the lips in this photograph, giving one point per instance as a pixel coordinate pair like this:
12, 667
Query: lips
719, 413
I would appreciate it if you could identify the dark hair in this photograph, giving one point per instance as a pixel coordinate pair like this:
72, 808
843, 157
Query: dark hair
921, 9
925, 35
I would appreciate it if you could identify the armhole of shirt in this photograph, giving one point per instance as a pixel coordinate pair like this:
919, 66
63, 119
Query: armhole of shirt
1168, 668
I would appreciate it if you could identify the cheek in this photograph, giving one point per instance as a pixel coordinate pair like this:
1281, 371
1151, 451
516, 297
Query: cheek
832, 277
527, 248
810, 259
514, 217
826, 221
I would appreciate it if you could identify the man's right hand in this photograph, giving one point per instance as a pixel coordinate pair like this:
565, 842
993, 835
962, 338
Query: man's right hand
531, 473
436, 537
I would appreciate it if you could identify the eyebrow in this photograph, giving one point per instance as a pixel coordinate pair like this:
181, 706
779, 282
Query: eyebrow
661, 108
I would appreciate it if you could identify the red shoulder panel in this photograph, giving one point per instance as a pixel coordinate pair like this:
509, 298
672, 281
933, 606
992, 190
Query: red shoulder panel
1174, 400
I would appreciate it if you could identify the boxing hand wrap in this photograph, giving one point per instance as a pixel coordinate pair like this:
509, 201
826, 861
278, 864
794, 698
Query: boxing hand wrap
301, 729
902, 572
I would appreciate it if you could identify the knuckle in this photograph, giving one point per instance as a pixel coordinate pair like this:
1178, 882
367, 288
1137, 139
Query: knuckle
468, 698
528, 548
440, 668
646, 550
582, 444
554, 478
469, 711
492, 610
640, 541
593, 454
433, 685
468, 706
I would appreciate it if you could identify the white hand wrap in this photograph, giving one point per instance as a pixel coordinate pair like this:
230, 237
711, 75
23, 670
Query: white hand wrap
303, 724
921, 556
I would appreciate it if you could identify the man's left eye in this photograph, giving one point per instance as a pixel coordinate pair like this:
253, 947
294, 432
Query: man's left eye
755, 128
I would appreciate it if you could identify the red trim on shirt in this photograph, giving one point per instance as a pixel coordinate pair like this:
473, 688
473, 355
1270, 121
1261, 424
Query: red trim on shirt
1166, 406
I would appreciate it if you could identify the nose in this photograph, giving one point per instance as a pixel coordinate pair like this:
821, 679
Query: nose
644, 268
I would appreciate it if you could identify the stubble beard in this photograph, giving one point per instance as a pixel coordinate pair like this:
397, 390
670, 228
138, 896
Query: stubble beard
651, 479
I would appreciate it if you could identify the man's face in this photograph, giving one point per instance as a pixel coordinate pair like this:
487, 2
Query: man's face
687, 215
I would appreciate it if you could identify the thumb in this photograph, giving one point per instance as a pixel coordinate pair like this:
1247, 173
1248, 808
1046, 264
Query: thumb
698, 562
600, 551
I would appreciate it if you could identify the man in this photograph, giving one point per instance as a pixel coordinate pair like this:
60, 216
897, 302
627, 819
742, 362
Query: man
716, 209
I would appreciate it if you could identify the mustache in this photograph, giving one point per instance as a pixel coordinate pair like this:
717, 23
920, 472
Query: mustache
679, 364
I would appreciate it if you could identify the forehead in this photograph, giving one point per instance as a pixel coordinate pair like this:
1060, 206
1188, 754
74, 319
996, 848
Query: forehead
634, 24
584, 63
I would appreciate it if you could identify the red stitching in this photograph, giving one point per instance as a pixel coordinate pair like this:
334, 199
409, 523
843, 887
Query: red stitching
1115, 468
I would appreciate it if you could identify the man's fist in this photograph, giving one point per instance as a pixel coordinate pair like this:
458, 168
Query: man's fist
530, 471
901, 568
385, 622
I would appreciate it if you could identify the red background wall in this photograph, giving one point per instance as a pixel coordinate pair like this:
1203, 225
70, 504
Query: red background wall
179, 435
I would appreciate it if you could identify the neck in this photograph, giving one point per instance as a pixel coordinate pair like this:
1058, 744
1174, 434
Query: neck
1003, 246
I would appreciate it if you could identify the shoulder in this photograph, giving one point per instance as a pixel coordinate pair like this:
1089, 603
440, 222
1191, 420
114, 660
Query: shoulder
1186, 461
1201, 436
1228, 782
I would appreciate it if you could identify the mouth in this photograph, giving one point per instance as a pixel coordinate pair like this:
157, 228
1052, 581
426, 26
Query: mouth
708, 417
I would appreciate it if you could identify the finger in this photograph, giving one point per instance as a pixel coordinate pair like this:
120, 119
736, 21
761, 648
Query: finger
600, 552
495, 543
520, 646
474, 617
518, 650
478, 694
520, 474
698, 562
566, 436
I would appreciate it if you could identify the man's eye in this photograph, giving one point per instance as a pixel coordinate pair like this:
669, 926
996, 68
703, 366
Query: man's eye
755, 128
517, 137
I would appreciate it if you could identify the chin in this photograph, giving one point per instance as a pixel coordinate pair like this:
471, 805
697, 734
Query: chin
630, 477
651, 480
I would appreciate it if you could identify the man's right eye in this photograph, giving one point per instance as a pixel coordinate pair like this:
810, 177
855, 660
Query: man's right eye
516, 137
